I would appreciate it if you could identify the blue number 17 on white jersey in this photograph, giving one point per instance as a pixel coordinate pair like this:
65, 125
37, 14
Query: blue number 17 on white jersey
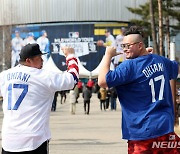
21, 96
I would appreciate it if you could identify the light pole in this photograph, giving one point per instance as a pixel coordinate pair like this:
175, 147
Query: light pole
173, 84
3, 50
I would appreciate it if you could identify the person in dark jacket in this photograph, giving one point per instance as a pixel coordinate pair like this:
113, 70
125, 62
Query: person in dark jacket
102, 94
113, 96
87, 96
53, 108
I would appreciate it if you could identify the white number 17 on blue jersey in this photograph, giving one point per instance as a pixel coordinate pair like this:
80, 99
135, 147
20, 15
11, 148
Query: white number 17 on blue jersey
21, 96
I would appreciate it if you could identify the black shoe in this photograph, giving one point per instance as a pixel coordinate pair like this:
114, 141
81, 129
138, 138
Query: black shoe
53, 109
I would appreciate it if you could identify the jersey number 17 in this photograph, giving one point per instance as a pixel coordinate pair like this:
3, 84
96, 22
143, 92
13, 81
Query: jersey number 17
21, 96
161, 90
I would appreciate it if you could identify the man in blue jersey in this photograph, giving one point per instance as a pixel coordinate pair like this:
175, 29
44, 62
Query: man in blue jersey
142, 83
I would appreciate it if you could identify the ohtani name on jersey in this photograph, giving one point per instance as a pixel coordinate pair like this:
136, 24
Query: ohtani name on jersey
18, 76
151, 69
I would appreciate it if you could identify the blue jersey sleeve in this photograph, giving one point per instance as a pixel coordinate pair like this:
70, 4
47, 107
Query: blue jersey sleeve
174, 70
121, 75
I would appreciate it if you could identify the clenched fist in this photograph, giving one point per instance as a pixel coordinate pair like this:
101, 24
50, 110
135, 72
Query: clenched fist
150, 50
111, 51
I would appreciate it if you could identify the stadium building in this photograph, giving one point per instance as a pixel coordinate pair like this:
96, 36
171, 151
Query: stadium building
76, 23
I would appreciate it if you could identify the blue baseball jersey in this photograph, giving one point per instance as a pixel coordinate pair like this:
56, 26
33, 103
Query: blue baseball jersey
143, 88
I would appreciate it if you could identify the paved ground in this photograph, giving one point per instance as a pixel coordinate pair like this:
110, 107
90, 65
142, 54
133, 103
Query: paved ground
96, 133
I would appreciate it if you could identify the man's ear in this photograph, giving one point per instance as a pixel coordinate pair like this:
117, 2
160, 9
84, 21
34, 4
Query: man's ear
28, 60
140, 45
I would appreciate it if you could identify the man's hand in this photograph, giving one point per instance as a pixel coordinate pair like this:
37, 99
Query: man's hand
149, 49
67, 51
111, 52
105, 65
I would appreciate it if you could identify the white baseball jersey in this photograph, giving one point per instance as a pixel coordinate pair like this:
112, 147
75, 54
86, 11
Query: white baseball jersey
43, 42
29, 41
109, 40
44, 47
27, 99
17, 44
122, 56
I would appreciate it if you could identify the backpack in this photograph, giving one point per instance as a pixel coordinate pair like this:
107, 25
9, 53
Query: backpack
103, 94
79, 84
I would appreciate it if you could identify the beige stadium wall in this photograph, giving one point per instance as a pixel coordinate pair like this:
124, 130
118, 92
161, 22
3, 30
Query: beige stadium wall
14, 12
23, 12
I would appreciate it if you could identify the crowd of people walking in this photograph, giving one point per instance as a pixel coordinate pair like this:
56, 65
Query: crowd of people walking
85, 90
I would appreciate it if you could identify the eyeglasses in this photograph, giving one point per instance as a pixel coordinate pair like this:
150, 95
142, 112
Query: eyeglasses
127, 45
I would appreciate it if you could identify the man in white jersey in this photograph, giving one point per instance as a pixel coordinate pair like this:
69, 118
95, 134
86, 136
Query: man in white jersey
109, 39
17, 44
29, 39
119, 39
43, 42
28, 92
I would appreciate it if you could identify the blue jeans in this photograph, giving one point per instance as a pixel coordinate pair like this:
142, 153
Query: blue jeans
113, 103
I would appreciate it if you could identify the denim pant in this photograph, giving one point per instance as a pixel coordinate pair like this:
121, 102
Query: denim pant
113, 103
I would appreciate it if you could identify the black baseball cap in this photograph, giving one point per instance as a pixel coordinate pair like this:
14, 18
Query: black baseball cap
29, 51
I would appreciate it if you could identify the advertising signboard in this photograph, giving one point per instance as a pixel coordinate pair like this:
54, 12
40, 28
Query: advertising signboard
82, 36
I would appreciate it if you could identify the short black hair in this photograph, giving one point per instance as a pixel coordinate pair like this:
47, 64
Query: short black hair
134, 30
107, 30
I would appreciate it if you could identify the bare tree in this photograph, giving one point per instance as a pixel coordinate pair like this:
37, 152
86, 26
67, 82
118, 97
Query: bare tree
160, 27
8, 47
5, 47
5, 37
167, 30
1, 49
153, 27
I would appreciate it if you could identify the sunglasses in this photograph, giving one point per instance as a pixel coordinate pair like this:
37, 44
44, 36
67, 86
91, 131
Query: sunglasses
128, 45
